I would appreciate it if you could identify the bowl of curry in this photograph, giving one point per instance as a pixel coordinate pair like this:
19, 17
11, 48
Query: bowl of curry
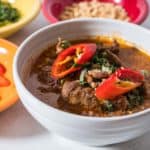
88, 80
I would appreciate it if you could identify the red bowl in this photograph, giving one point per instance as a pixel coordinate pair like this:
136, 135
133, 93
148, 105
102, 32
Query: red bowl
137, 9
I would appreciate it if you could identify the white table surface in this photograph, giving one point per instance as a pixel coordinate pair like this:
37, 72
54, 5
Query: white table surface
19, 131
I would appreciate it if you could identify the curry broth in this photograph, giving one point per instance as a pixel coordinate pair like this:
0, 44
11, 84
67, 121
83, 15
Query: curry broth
40, 84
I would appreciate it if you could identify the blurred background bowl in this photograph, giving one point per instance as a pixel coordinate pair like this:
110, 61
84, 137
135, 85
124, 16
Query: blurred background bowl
29, 9
137, 9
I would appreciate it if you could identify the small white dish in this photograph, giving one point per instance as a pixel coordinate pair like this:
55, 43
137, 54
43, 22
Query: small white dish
87, 130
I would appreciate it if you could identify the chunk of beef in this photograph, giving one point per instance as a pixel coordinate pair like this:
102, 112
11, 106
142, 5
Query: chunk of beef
76, 94
88, 99
121, 103
98, 74
114, 58
147, 87
95, 74
69, 86
90, 81
114, 48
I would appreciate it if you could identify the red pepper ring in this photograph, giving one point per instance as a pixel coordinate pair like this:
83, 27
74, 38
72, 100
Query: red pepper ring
3, 80
131, 75
79, 54
117, 85
2, 69
88, 52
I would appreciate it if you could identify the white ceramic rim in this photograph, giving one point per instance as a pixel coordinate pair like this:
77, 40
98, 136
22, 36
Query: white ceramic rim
75, 116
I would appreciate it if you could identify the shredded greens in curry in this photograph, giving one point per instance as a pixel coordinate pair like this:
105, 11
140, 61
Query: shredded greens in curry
79, 80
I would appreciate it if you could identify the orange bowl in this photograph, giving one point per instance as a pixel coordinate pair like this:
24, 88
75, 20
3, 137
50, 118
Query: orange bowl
8, 94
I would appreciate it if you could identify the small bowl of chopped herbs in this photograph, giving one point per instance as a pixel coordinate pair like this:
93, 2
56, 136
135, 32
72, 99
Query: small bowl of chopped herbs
8, 14
16, 14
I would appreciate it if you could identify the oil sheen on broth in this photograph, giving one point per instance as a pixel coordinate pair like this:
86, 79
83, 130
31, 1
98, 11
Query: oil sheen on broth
49, 91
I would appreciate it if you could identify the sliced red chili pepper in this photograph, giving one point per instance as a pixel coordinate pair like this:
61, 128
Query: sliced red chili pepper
128, 74
2, 69
121, 82
88, 51
77, 54
4, 81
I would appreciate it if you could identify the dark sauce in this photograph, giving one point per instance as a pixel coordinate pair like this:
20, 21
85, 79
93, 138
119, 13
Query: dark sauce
48, 90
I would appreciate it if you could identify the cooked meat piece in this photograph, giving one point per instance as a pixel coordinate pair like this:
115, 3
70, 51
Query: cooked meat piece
90, 81
89, 78
98, 74
100, 47
83, 96
95, 74
76, 94
147, 84
69, 86
88, 99
46, 68
115, 48
147, 87
115, 58
58, 46
94, 84
121, 103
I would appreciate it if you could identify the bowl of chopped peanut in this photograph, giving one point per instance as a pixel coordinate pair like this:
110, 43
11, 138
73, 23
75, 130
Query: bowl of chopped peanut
134, 11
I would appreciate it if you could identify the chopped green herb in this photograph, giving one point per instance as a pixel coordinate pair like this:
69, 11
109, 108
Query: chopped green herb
86, 65
8, 14
65, 44
108, 106
109, 68
104, 54
135, 97
99, 60
76, 65
103, 62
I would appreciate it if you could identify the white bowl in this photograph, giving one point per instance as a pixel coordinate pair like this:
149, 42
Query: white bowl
87, 130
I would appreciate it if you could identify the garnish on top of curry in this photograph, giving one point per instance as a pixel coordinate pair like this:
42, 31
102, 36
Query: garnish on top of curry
92, 77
